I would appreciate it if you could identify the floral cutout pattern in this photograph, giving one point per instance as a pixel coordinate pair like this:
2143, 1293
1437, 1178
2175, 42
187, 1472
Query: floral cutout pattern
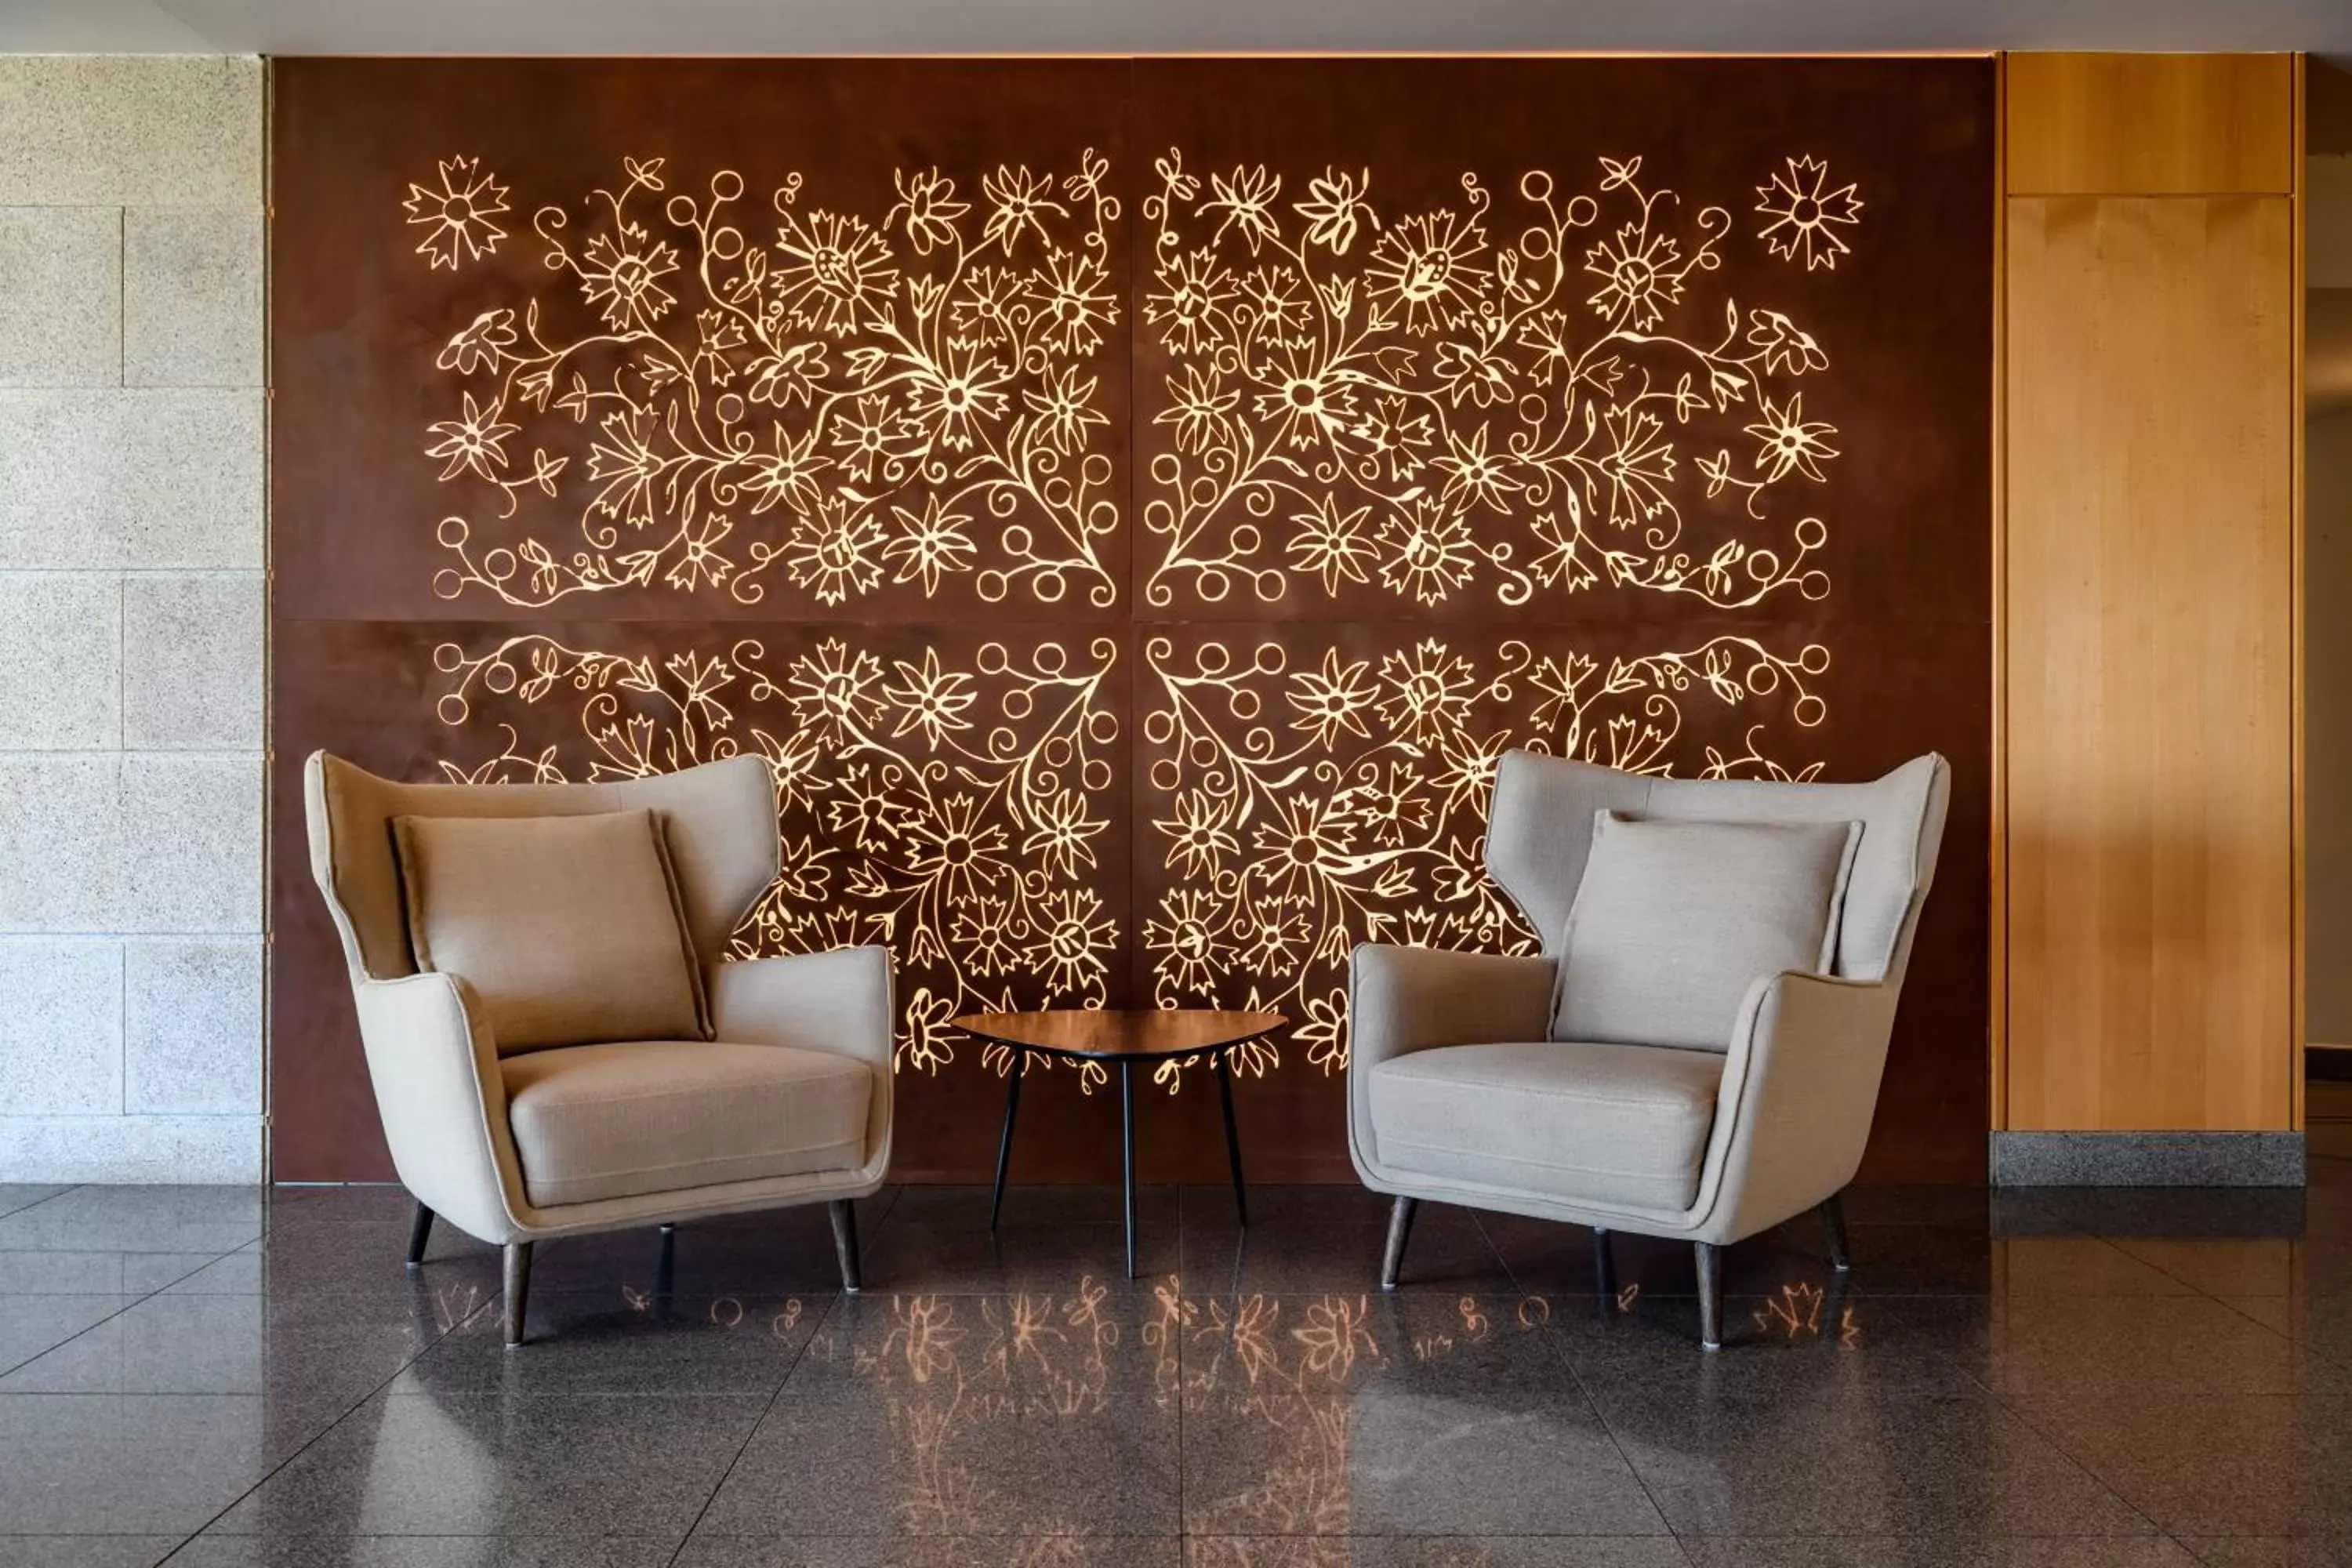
1313, 802
1806, 213
1436, 409
911, 396
953, 809
1471, 402
456, 214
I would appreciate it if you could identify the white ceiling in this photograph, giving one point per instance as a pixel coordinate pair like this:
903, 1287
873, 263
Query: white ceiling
1155, 26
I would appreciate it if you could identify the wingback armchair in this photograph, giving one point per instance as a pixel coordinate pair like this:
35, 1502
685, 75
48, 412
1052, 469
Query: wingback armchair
1467, 1083
777, 1093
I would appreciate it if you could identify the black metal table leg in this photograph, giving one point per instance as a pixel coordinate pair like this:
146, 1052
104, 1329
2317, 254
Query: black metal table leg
1233, 1137
1126, 1154
1005, 1145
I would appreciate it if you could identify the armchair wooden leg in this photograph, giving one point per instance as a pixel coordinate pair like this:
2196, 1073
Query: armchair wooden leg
518, 1288
844, 1243
1710, 1296
1834, 1226
1399, 1231
420, 1231
1604, 1268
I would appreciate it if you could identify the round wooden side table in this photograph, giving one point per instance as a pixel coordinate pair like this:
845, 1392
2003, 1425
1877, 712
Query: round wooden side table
1127, 1040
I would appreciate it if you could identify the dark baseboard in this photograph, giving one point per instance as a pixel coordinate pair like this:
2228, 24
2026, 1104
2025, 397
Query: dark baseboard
2146, 1159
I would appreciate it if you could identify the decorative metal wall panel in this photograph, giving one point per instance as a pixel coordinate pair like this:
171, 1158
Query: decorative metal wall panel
1132, 505
825, 340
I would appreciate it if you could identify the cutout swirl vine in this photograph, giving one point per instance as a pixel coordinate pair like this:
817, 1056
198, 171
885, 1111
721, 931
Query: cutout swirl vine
1426, 403
836, 401
1505, 401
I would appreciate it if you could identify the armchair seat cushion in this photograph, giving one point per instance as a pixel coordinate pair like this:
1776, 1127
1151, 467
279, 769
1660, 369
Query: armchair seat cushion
1566, 1121
628, 1118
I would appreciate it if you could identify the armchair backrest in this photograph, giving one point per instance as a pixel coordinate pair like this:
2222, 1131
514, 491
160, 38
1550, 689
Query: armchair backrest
720, 819
1540, 830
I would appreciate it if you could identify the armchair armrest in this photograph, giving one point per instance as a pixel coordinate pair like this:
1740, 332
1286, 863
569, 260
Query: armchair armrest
434, 1069
839, 1001
1404, 999
1410, 998
1800, 1089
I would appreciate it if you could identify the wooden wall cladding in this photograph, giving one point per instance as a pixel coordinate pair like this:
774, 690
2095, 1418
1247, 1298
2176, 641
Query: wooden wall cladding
2150, 125
1132, 504
2151, 637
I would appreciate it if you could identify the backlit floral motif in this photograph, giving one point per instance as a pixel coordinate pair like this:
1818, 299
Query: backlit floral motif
456, 214
952, 810
1805, 213
830, 401
1300, 805
1521, 400
1484, 402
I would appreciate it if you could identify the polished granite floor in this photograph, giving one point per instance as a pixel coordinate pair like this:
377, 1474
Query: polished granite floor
232, 1379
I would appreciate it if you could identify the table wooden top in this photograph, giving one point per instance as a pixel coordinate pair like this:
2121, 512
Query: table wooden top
1143, 1034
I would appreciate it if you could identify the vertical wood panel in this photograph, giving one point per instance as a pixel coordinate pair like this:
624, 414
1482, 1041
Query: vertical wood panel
2151, 124
2150, 643
2299, 1029
1997, 868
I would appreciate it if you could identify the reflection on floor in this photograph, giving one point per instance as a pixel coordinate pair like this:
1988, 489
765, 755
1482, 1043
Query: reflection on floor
230, 1379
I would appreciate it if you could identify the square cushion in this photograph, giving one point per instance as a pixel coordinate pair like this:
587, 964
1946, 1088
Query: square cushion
1622, 1126
568, 928
1675, 920
622, 1119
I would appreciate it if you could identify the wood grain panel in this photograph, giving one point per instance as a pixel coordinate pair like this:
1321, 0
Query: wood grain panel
2150, 124
2150, 638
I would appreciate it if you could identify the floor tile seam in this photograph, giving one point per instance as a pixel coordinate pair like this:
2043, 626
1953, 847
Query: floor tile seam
530, 1396
190, 1274
2026, 1418
976, 1535
37, 1202
210, 1255
2185, 1283
1558, 1348
1177, 1328
868, 1235
10, 1369
1478, 1222
751, 1432
495, 1301
1954, 1535
309, 1443
2304, 1347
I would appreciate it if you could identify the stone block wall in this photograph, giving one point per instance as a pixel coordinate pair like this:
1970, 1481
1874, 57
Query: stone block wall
132, 439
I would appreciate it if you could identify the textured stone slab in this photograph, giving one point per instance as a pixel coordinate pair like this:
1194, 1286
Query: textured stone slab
153, 842
145, 478
61, 275
62, 1030
192, 297
58, 841
192, 1149
61, 642
131, 129
189, 859
192, 662
191, 1027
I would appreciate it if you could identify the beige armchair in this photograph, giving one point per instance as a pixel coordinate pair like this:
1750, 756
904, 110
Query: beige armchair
783, 1100
1465, 1088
